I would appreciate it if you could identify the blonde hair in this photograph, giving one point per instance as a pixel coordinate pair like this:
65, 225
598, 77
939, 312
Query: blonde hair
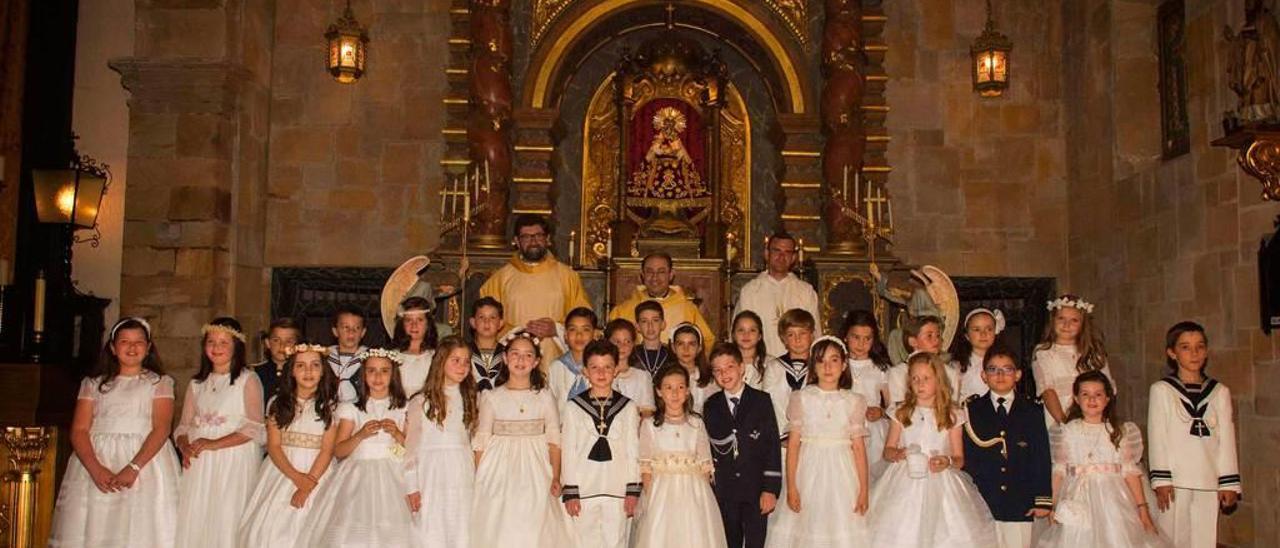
941, 399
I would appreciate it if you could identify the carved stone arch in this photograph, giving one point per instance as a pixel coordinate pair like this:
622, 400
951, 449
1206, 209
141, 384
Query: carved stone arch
747, 26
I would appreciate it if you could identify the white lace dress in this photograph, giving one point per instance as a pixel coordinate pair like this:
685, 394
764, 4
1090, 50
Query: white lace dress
413, 373
363, 504
143, 515
216, 489
826, 476
870, 381
678, 507
1094, 506
270, 519
1055, 368
512, 504
942, 509
440, 466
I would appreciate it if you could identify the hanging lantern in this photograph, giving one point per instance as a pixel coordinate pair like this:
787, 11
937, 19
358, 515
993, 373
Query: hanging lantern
348, 47
72, 195
991, 60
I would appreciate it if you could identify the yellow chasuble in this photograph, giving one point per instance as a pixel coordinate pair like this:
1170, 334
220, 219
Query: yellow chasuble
676, 309
529, 291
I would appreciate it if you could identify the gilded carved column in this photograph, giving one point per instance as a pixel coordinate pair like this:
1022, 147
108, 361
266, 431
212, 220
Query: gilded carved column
489, 126
841, 101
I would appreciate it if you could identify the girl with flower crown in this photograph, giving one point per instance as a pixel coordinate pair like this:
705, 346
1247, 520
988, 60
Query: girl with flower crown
1071, 345
415, 337
300, 438
517, 453
365, 503
220, 436
826, 469
981, 326
439, 467
121, 485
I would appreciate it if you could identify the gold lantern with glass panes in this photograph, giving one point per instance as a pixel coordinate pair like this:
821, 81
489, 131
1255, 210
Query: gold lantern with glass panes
348, 47
991, 60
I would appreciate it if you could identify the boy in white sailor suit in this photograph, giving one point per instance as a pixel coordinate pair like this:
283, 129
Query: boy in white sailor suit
1192, 440
600, 456
1006, 451
744, 448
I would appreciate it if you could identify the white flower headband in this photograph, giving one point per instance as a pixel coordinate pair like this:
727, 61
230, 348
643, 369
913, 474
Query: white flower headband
146, 327
392, 355
1064, 302
996, 315
300, 348
521, 333
838, 342
696, 332
402, 313
216, 328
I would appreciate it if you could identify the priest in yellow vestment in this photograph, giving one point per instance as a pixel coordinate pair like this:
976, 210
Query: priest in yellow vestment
656, 272
535, 289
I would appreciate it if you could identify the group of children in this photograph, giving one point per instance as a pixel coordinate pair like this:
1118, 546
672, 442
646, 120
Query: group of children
624, 441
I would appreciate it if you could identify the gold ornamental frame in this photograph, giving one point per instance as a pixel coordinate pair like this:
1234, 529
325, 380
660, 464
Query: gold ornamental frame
600, 142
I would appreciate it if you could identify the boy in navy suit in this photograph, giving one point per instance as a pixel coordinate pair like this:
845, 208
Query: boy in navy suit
1006, 451
745, 448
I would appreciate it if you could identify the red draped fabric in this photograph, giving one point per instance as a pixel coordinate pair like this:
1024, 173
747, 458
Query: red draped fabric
642, 132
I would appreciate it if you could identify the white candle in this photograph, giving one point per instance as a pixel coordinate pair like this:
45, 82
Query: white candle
37, 323
801, 241
608, 246
573, 237
486, 175
889, 202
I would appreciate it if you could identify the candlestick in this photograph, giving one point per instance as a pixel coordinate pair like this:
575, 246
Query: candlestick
37, 323
608, 246
573, 237
844, 184
889, 202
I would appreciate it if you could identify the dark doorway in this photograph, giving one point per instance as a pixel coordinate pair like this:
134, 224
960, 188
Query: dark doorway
1022, 300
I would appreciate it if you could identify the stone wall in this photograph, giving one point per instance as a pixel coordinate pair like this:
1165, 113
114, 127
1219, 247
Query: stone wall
979, 185
1157, 241
354, 169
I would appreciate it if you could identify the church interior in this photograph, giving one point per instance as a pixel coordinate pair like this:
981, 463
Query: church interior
281, 158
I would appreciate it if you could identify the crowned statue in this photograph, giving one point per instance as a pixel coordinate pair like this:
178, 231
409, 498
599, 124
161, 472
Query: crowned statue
667, 179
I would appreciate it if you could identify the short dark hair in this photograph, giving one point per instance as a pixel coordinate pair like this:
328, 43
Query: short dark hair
347, 310
725, 349
530, 219
284, 323
997, 350
658, 255
486, 301
781, 235
651, 305
600, 348
582, 312
619, 324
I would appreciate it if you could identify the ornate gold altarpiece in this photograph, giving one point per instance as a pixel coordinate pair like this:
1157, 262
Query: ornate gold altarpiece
822, 65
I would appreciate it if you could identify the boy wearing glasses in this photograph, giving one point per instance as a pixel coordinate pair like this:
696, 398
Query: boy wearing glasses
533, 287
1006, 451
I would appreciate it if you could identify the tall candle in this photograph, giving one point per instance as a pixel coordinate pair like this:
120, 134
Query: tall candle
573, 236
444, 195
608, 246
486, 175
844, 183
801, 252
37, 323
889, 202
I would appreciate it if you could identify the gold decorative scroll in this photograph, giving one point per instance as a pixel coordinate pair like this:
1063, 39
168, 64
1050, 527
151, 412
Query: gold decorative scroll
794, 14
600, 143
545, 13
735, 154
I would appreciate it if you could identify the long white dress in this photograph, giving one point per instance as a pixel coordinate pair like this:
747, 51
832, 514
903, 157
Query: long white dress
413, 372
363, 504
1094, 506
826, 477
143, 515
270, 519
1055, 368
440, 466
942, 509
217, 486
678, 507
870, 381
774, 383
512, 504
